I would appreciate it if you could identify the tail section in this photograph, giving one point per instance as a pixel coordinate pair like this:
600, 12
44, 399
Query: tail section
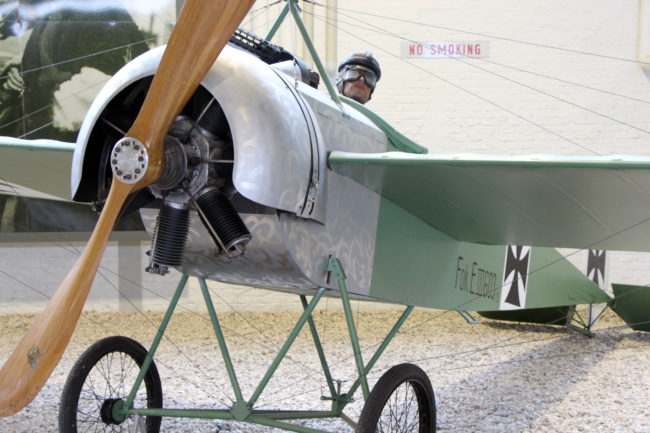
632, 304
541, 316
594, 267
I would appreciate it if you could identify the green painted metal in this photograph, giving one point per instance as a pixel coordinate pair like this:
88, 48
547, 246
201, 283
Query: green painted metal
296, 414
262, 417
334, 265
544, 316
240, 411
185, 413
395, 138
468, 317
221, 340
41, 165
120, 411
293, 7
321, 353
285, 348
557, 316
243, 411
632, 304
577, 323
41, 144
437, 271
285, 426
382, 347
389, 337
278, 22
584, 330
586, 202
156, 340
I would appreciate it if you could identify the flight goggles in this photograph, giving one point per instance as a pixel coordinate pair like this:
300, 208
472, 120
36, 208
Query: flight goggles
353, 73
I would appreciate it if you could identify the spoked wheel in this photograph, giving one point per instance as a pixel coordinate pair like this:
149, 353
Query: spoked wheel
401, 401
102, 377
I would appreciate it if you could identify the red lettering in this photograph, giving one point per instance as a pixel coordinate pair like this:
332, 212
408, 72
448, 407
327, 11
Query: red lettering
445, 49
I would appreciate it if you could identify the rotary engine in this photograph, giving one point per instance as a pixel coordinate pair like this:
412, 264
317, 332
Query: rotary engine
197, 176
199, 171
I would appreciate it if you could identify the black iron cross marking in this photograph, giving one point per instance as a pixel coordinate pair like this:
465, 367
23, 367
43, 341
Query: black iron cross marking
518, 266
596, 263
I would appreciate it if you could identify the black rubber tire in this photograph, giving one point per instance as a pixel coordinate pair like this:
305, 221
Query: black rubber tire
107, 371
389, 407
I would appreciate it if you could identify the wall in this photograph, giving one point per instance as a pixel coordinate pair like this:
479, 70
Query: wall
561, 78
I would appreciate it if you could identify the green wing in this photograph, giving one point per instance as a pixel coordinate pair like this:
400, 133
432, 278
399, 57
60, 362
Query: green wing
575, 202
41, 165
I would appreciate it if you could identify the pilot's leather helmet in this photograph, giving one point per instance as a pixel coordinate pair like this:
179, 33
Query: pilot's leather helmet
363, 60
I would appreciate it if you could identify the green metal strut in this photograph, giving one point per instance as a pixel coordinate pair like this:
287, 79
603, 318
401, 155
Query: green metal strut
335, 267
156, 341
221, 340
319, 349
337, 270
396, 139
314, 54
277, 23
285, 348
243, 410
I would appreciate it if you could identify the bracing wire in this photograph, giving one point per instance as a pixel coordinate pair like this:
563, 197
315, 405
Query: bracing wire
501, 345
469, 92
411, 328
85, 317
364, 24
69, 247
471, 64
259, 11
45, 107
499, 106
572, 83
97, 53
491, 36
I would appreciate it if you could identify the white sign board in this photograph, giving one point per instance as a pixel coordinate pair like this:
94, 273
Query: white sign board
445, 49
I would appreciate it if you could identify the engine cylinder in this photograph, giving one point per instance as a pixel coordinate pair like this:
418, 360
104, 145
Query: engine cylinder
214, 121
225, 221
169, 240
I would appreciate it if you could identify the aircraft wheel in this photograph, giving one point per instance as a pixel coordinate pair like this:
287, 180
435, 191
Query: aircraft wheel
401, 401
102, 376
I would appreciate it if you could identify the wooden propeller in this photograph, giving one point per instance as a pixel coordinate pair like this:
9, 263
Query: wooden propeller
201, 32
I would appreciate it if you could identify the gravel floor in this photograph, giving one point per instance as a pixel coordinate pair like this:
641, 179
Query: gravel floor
490, 377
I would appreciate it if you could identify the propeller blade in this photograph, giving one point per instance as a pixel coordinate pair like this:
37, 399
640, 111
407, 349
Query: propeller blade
201, 32
32, 361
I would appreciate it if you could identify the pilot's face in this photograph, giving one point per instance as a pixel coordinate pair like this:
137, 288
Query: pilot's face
357, 90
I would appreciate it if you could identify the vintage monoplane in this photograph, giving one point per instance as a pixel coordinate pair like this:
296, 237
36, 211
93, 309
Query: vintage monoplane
244, 173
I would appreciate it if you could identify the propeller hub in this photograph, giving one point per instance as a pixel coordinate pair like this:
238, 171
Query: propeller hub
129, 160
